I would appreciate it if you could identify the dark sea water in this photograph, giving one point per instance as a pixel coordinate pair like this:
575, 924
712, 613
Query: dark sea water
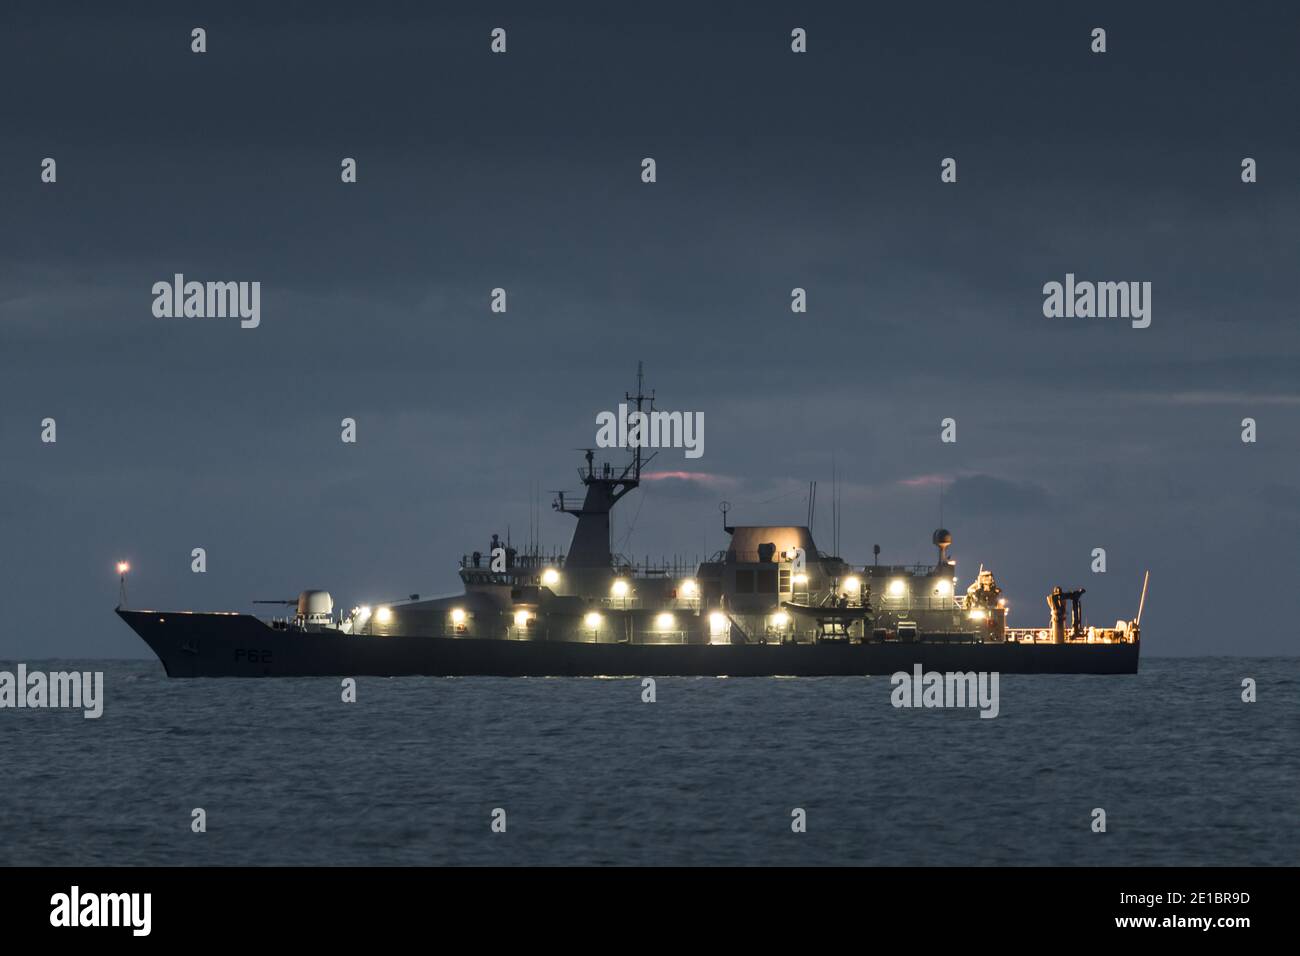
708, 774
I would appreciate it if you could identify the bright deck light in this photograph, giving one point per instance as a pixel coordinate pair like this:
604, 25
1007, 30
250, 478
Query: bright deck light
717, 623
521, 618
897, 587
384, 615
664, 621
977, 615
550, 577
123, 567
801, 579
690, 588
619, 588
852, 585
780, 619
944, 588
592, 620
458, 616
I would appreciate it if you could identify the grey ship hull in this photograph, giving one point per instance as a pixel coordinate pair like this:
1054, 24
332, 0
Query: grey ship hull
239, 645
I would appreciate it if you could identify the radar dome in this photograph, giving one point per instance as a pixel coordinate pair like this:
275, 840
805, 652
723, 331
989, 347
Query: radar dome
315, 604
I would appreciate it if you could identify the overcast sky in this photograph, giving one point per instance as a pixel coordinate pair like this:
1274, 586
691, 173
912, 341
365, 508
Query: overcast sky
522, 171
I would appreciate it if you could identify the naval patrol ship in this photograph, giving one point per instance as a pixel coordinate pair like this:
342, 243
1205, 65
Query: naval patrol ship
771, 604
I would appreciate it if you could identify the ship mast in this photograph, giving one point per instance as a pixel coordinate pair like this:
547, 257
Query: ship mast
590, 547
640, 397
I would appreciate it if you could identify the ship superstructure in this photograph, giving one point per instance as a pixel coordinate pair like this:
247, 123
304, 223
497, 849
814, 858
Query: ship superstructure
772, 602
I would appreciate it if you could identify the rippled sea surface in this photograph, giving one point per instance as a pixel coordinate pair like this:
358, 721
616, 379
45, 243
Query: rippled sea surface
707, 774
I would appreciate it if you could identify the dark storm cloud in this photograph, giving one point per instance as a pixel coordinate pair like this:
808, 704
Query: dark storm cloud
521, 171
996, 496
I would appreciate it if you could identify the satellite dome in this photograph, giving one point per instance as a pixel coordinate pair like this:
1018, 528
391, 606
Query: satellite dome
942, 538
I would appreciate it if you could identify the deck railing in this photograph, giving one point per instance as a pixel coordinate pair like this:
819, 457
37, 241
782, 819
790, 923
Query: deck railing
1091, 635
